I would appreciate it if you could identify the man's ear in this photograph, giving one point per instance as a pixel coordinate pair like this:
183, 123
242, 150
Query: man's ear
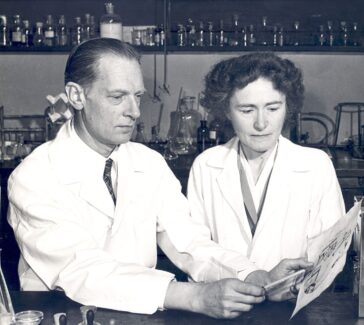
76, 95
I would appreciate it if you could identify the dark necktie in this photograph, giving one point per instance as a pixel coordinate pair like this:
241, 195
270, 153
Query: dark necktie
107, 178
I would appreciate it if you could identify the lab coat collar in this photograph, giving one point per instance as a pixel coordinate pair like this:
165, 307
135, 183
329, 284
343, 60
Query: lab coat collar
70, 157
288, 161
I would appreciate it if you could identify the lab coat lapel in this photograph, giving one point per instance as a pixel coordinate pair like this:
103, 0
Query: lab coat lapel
279, 188
71, 168
229, 184
130, 168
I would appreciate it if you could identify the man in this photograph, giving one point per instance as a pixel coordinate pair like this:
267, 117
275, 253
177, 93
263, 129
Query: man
86, 207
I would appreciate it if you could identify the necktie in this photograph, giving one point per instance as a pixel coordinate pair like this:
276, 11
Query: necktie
107, 178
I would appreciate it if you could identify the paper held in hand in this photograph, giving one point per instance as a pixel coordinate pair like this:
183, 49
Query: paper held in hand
328, 253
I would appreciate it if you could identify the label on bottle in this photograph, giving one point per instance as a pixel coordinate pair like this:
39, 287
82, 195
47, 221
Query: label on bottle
16, 36
49, 33
113, 30
212, 134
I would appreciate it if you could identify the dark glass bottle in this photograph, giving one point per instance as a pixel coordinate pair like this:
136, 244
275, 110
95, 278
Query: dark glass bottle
49, 32
62, 38
26, 37
203, 139
16, 31
38, 37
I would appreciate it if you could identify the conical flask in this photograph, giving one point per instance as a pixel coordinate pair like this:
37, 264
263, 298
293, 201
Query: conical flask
6, 306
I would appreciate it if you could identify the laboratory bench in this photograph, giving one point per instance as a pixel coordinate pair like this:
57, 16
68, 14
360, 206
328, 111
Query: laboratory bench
329, 308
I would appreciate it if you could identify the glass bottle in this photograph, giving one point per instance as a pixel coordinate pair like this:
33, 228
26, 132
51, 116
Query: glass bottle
211, 34
26, 37
93, 28
221, 40
157, 36
16, 31
4, 31
200, 35
140, 135
296, 34
192, 116
49, 32
330, 34
62, 38
234, 40
110, 23
321, 39
202, 136
191, 33
163, 35
244, 36
38, 37
182, 141
77, 32
264, 32
275, 35
344, 34
355, 38
181, 35
281, 36
216, 133
21, 150
87, 29
7, 311
251, 36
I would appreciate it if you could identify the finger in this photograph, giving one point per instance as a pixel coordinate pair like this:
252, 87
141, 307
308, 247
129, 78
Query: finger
246, 299
249, 289
237, 307
298, 263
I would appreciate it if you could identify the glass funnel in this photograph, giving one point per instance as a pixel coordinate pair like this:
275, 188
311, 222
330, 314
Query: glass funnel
6, 306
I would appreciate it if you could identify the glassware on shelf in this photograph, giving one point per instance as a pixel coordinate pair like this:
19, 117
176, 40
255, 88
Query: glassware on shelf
16, 31
330, 34
264, 35
38, 37
62, 32
181, 35
211, 38
49, 32
6, 306
77, 32
4, 31
235, 38
344, 34
251, 36
26, 36
200, 41
321, 37
355, 37
110, 23
221, 35
296, 39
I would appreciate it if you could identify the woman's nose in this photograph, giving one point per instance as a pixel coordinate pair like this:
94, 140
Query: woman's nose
260, 122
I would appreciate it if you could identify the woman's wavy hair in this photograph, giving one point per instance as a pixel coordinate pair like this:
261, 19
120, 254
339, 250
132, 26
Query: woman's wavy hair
236, 73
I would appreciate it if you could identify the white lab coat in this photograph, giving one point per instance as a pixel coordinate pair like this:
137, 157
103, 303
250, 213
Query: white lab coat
72, 238
302, 200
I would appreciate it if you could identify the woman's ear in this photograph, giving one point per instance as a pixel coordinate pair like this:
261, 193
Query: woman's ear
76, 95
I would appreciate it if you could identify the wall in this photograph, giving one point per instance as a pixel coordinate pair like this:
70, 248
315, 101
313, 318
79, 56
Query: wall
26, 79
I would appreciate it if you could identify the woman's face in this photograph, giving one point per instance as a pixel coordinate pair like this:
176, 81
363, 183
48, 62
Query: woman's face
257, 113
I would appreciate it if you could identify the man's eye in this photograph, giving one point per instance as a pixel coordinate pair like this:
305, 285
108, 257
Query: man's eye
273, 108
116, 98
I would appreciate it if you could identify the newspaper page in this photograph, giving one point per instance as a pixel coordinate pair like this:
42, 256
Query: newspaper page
325, 251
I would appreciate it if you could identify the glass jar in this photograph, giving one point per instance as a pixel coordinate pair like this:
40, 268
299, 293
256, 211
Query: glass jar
110, 23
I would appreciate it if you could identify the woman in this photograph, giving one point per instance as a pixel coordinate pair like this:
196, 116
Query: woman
260, 194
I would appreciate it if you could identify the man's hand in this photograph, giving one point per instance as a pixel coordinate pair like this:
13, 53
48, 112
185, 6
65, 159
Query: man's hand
226, 298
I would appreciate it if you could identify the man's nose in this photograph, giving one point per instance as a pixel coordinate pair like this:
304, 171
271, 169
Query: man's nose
260, 122
133, 108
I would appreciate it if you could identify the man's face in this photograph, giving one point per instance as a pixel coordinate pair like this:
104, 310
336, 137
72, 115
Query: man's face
111, 104
257, 113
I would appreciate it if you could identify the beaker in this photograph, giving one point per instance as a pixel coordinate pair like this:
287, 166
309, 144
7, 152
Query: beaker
6, 306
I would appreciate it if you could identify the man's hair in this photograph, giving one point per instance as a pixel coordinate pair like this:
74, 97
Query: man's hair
83, 61
236, 73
